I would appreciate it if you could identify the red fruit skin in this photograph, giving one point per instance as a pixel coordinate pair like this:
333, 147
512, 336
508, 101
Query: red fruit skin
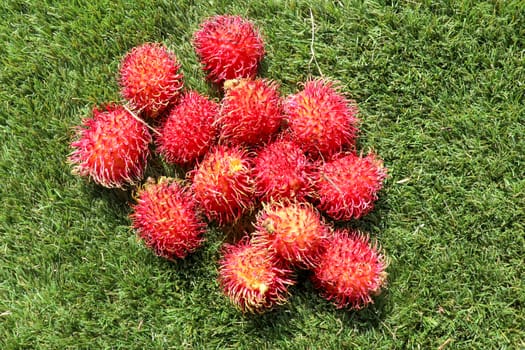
282, 171
347, 187
150, 79
294, 232
251, 112
322, 121
223, 184
111, 148
350, 271
188, 132
166, 219
229, 47
254, 280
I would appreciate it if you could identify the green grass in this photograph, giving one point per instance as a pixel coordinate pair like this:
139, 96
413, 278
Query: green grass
440, 87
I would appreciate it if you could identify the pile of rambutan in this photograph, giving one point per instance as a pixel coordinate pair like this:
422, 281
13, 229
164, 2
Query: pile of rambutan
289, 162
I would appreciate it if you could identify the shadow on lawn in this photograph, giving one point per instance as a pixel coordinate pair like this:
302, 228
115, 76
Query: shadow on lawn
117, 200
307, 312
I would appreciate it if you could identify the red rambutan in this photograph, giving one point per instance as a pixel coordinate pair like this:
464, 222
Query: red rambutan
112, 147
223, 184
254, 280
150, 79
347, 187
293, 231
350, 270
321, 119
166, 219
282, 171
229, 47
251, 112
188, 131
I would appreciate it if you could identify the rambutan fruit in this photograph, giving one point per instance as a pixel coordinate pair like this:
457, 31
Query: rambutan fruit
321, 119
229, 47
254, 280
347, 186
188, 131
294, 232
150, 79
112, 147
166, 219
223, 184
282, 171
251, 112
350, 270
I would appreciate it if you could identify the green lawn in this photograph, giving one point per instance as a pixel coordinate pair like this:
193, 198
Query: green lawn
440, 87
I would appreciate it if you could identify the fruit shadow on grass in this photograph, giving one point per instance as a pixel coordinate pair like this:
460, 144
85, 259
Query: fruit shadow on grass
287, 321
117, 200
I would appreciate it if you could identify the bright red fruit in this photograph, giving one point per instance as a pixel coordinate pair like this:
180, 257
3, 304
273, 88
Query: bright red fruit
347, 187
282, 171
293, 231
112, 147
150, 79
251, 112
322, 121
229, 47
189, 130
223, 184
254, 280
166, 219
350, 271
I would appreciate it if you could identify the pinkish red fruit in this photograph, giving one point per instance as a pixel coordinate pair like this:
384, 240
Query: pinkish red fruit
166, 219
112, 147
188, 131
347, 187
251, 112
350, 271
229, 47
294, 232
282, 171
223, 184
254, 280
322, 121
150, 79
